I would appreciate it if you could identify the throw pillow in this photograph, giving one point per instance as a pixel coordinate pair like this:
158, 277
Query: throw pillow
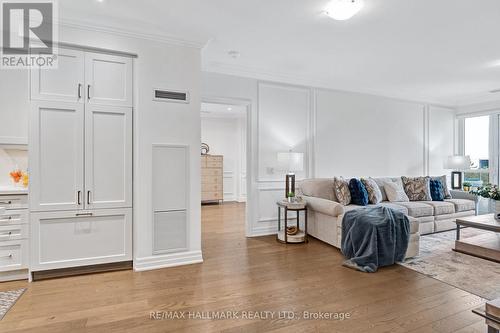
417, 188
374, 193
395, 192
359, 195
437, 191
447, 193
341, 189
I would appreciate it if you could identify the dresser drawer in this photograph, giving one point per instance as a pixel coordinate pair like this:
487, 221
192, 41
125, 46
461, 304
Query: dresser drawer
14, 201
13, 255
209, 180
13, 232
211, 172
210, 196
211, 187
14, 217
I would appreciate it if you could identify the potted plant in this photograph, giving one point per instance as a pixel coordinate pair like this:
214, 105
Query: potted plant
467, 186
491, 192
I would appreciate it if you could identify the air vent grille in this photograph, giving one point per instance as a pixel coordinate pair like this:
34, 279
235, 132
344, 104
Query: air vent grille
164, 95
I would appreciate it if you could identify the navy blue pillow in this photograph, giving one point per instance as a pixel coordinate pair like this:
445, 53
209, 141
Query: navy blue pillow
359, 194
437, 190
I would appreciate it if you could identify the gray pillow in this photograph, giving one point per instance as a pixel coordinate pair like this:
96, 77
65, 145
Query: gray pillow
417, 188
374, 192
341, 189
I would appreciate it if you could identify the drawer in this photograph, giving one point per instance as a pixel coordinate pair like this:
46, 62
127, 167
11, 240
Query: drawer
13, 232
14, 217
211, 187
13, 255
211, 172
209, 196
211, 180
214, 164
14, 201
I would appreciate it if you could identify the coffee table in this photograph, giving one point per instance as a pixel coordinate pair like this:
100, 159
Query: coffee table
486, 246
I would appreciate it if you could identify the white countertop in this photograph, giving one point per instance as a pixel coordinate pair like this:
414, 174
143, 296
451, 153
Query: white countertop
10, 190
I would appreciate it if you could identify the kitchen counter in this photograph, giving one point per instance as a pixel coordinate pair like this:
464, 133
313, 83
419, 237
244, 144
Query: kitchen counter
12, 190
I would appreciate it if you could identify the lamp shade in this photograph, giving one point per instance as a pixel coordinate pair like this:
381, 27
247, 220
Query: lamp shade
291, 162
458, 162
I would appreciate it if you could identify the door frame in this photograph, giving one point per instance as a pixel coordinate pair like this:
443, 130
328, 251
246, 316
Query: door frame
247, 103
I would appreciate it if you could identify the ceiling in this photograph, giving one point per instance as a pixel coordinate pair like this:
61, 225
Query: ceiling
439, 51
213, 110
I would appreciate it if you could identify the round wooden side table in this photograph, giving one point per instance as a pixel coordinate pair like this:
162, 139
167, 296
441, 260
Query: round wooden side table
301, 236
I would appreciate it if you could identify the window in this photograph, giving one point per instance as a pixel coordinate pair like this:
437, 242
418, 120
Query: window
477, 147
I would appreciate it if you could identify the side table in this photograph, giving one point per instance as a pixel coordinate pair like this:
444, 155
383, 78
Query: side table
301, 235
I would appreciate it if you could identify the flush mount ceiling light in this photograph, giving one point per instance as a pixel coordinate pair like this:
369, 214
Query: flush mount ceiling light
343, 9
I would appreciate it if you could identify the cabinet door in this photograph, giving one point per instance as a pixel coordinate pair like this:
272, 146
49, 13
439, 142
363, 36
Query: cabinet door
66, 83
108, 79
80, 238
56, 156
108, 157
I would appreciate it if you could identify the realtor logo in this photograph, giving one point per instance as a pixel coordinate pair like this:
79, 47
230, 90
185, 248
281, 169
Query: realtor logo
28, 34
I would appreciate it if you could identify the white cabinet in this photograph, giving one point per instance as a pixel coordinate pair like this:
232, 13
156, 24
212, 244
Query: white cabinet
108, 157
80, 238
66, 83
108, 79
56, 156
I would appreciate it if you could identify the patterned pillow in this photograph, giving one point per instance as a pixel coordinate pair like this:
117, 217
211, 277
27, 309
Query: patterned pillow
447, 193
341, 189
359, 195
417, 188
395, 192
374, 193
437, 191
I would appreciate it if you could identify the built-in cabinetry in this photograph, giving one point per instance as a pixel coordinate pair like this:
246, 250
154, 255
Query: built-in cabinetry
80, 157
211, 178
14, 234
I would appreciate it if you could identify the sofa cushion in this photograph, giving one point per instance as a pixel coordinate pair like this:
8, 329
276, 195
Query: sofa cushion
381, 181
374, 193
447, 194
441, 207
437, 190
320, 188
417, 188
359, 195
462, 205
395, 192
341, 189
324, 206
417, 209
394, 206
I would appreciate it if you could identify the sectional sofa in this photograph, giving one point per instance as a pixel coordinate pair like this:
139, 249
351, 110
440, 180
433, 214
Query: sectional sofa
325, 213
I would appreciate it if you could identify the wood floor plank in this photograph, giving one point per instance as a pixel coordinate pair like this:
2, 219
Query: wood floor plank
245, 274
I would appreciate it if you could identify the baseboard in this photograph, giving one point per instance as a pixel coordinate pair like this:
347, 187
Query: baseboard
81, 270
22, 274
168, 260
264, 231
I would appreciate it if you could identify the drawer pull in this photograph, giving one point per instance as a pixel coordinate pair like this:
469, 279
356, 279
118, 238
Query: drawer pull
83, 214
6, 202
9, 256
6, 234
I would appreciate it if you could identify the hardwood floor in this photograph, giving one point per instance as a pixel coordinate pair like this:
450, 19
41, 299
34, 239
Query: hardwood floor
241, 274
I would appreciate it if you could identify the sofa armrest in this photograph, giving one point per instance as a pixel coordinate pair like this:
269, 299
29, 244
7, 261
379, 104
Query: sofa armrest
324, 206
464, 195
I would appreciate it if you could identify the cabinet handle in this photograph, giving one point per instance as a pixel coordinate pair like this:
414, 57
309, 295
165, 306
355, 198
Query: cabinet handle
6, 202
79, 197
79, 90
7, 256
88, 92
83, 214
7, 234
88, 197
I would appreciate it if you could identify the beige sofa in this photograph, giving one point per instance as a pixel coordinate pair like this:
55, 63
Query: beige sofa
325, 213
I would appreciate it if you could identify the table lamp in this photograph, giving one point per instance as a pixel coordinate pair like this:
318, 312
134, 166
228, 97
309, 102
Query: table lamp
458, 163
291, 162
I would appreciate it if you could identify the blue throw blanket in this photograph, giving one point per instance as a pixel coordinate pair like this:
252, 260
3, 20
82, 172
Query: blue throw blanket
373, 237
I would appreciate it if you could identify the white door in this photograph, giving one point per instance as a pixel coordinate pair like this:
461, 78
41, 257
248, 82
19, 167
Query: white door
108, 79
56, 156
80, 238
66, 83
108, 157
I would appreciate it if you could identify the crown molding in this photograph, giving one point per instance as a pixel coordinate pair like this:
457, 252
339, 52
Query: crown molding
123, 32
480, 108
307, 82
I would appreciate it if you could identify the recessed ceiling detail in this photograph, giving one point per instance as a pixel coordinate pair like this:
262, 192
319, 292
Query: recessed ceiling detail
342, 10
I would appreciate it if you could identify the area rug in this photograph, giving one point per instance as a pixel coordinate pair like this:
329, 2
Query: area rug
8, 299
437, 260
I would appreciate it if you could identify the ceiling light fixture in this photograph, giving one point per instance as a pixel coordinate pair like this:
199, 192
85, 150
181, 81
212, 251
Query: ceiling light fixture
229, 109
343, 9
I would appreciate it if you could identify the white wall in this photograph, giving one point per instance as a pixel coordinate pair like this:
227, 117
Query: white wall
226, 136
159, 65
341, 134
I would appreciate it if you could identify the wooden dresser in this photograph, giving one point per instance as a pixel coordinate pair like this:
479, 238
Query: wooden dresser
211, 178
